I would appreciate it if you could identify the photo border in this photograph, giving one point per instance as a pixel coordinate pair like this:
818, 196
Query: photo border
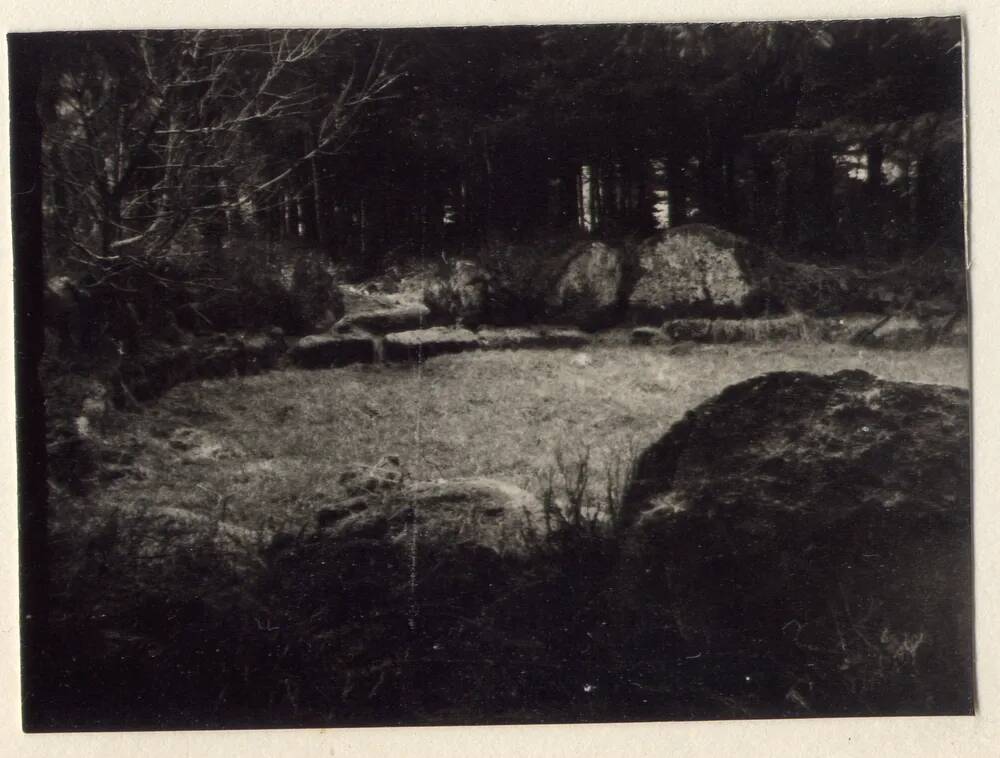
930, 736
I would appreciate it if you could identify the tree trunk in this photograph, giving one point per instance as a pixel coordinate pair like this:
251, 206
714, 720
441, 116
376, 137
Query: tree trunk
228, 211
363, 233
567, 203
873, 187
709, 176
307, 211
928, 202
286, 216
730, 203
875, 156
823, 196
640, 216
299, 226
913, 196
487, 222
617, 180
677, 188
322, 235
763, 194
593, 193
788, 210
276, 216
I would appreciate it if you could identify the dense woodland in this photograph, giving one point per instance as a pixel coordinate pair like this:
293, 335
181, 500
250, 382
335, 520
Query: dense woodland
833, 139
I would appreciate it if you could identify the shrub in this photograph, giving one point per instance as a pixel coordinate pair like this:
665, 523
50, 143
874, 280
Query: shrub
316, 301
935, 276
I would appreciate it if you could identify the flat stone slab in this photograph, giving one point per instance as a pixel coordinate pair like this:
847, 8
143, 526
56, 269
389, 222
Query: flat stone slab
726, 330
518, 338
326, 350
420, 344
863, 329
386, 320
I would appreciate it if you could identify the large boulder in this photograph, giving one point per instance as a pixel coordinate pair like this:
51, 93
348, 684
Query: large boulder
589, 291
477, 512
402, 596
696, 270
514, 284
823, 523
305, 300
326, 350
461, 297
420, 344
164, 534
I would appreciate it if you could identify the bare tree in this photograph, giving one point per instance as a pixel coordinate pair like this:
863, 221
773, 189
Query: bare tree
152, 134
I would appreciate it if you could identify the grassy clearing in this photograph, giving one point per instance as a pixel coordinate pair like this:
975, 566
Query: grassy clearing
161, 614
268, 449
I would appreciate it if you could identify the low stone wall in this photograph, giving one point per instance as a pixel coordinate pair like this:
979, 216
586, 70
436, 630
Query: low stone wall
863, 329
157, 367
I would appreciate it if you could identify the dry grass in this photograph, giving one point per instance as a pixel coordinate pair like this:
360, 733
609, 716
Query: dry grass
164, 615
275, 444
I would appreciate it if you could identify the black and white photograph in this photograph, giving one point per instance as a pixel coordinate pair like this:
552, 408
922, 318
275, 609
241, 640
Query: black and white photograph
492, 375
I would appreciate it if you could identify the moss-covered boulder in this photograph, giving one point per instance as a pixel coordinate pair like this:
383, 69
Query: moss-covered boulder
696, 270
822, 523
589, 291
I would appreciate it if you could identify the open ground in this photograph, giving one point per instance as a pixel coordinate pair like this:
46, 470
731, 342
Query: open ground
276, 443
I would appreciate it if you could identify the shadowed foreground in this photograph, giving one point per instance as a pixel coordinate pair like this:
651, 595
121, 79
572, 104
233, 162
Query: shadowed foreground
230, 570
